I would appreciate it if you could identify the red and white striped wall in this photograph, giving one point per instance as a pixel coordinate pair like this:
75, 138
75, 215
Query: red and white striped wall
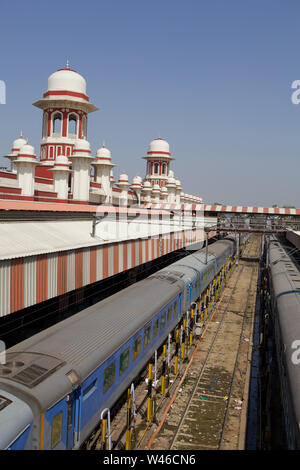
29, 280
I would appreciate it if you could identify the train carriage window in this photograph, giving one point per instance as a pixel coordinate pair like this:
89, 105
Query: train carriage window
155, 327
124, 361
163, 320
109, 376
175, 307
56, 429
137, 347
147, 335
169, 313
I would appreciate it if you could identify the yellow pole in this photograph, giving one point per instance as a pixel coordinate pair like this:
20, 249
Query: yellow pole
182, 351
163, 385
176, 365
103, 435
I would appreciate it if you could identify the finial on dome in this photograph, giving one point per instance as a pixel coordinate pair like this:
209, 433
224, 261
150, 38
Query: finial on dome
21, 133
67, 64
103, 144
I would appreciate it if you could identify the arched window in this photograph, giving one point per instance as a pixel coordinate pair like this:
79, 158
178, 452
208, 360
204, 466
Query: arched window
155, 168
72, 125
56, 127
164, 170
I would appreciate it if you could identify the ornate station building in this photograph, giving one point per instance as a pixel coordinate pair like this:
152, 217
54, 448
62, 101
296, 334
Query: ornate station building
68, 172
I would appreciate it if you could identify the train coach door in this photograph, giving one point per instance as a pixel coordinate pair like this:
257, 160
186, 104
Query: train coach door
73, 418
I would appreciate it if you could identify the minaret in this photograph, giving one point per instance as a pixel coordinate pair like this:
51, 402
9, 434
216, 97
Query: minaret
25, 165
178, 191
61, 173
103, 167
65, 106
81, 163
16, 147
123, 185
137, 188
156, 192
147, 189
158, 162
171, 186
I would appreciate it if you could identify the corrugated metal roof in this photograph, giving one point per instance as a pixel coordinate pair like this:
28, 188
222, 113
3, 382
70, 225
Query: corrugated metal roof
18, 239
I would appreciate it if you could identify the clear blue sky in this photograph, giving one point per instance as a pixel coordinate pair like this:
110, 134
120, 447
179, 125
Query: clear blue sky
213, 77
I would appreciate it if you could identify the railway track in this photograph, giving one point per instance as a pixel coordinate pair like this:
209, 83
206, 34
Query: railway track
201, 419
210, 413
203, 424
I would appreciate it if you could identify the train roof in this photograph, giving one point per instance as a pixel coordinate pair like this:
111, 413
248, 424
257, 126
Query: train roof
77, 346
286, 287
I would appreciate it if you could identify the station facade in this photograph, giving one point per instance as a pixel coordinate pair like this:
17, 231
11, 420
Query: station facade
67, 171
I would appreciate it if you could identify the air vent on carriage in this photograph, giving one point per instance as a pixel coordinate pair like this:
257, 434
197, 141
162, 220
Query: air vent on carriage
30, 375
29, 368
167, 278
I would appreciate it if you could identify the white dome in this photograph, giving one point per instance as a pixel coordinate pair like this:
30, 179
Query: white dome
164, 190
159, 145
27, 150
171, 174
171, 180
137, 180
147, 185
156, 187
103, 152
123, 177
82, 144
67, 79
18, 143
62, 160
